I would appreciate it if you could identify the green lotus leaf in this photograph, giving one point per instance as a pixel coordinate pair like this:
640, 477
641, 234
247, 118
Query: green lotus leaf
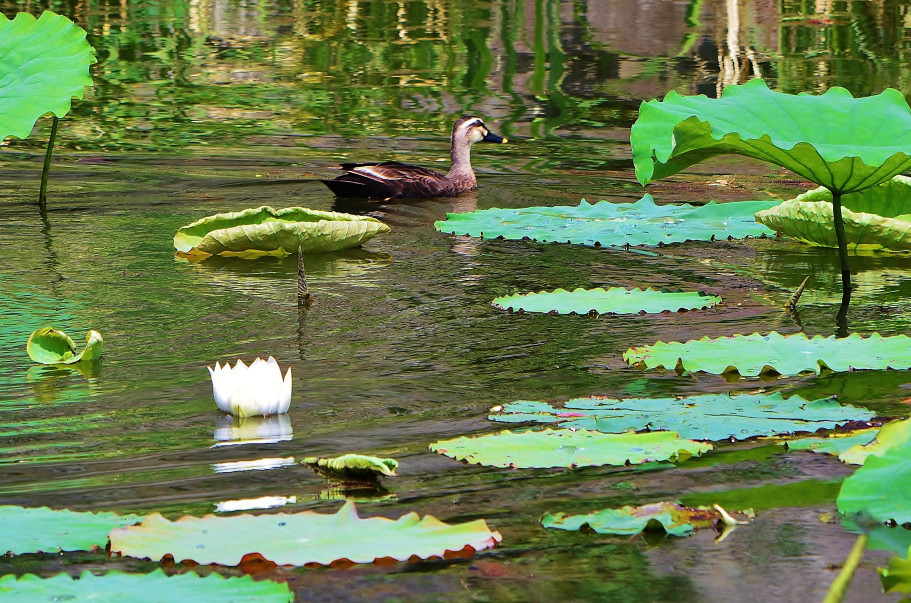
835, 140
616, 300
568, 448
673, 518
299, 538
705, 417
50, 346
837, 444
118, 586
879, 489
875, 218
44, 64
34, 530
893, 434
262, 231
605, 223
752, 355
897, 577
355, 467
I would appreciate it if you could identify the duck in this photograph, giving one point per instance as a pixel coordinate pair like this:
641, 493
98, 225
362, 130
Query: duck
391, 179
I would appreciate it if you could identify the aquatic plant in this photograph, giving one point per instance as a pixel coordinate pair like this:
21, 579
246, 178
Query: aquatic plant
246, 391
44, 64
47, 345
615, 300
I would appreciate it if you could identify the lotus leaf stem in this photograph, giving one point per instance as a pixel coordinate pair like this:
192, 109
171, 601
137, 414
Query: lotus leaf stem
42, 194
842, 242
843, 579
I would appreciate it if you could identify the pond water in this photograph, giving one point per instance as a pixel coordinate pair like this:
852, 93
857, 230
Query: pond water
213, 106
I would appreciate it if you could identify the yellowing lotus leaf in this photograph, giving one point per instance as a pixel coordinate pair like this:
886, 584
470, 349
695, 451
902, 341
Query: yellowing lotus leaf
752, 355
300, 538
890, 435
616, 300
875, 218
569, 448
262, 231
838, 444
355, 467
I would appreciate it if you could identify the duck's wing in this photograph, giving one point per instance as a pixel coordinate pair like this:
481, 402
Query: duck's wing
389, 179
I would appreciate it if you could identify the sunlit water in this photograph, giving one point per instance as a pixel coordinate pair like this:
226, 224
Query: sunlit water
216, 108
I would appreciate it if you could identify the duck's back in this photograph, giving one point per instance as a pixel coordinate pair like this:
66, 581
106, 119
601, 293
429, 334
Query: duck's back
391, 179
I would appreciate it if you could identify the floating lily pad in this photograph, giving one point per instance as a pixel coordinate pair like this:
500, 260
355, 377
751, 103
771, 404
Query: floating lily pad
353, 467
752, 355
892, 434
262, 231
44, 64
37, 530
673, 518
568, 448
300, 538
879, 489
118, 586
836, 444
871, 143
875, 218
605, 223
704, 417
616, 300
50, 346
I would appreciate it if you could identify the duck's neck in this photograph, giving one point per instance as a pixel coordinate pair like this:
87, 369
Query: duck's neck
461, 171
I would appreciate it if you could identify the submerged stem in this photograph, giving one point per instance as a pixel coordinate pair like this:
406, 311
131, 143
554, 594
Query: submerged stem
42, 193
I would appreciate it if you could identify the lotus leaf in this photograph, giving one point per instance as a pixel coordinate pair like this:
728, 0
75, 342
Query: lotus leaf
605, 223
896, 433
34, 530
879, 489
870, 144
616, 300
805, 493
156, 586
755, 354
673, 518
875, 218
262, 231
568, 448
355, 467
44, 64
837, 444
50, 346
300, 538
897, 577
704, 417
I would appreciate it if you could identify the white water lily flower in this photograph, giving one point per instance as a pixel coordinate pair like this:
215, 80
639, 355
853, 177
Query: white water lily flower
247, 391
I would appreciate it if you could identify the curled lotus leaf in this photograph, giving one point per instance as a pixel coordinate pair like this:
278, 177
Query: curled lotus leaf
875, 218
47, 345
263, 231
705, 417
300, 538
892, 434
871, 143
673, 518
569, 448
44, 64
119, 586
752, 355
356, 467
617, 224
616, 300
836, 444
36, 530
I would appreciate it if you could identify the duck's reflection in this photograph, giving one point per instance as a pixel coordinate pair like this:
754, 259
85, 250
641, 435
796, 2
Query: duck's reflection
230, 431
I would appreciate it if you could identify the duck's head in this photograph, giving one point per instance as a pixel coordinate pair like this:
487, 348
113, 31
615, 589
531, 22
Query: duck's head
471, 129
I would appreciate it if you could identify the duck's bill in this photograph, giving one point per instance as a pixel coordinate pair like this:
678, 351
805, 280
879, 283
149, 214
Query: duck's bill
491, 137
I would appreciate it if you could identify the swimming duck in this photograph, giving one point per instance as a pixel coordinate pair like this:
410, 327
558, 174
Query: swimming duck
393, 179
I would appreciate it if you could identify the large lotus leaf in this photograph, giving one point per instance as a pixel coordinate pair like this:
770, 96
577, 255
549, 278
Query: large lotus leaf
704, 417
47, 345
837, 444
896, 433
752, 355
673, 518
616, 300
264, 231
34, 530
838, 141
156, 586
300, 538
44, 64
879, 489
568, 448
875, 218
605, 223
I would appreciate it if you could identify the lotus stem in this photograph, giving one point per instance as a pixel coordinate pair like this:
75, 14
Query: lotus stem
842, 244
792, 302
303, 293
42, 193
843, 579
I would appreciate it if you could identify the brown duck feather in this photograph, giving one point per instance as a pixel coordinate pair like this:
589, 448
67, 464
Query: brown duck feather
391, 179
